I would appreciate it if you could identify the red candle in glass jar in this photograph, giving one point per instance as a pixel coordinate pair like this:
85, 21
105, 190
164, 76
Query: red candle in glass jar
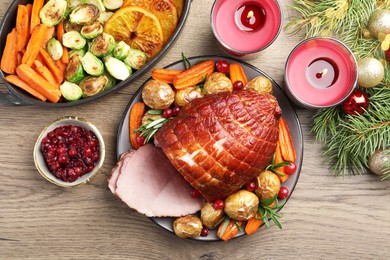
320, 72
245, 27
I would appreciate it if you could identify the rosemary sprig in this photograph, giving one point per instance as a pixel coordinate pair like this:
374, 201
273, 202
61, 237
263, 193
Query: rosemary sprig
148, 130
274, 166
269, 212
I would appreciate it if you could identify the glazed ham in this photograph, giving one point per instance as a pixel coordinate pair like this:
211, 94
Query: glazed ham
147, 182
220, 142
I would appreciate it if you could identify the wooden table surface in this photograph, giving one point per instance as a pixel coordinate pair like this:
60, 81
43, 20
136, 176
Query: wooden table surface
327, 217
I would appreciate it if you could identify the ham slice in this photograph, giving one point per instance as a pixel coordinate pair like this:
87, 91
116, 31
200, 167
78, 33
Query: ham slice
147, 182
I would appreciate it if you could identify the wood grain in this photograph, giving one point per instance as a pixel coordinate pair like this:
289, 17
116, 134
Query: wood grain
327, 217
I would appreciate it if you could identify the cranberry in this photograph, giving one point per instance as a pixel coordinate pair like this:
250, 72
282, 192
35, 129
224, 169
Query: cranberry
387, 55
283, 193
251, 186
205, 232
88, 152
63, 159
90, 168
238, 85
290, 169
222, 66
72, 152
61, 150
218, 204
140, 139
92, 143
175, 110
167, 113
95, 156
195, 193
88, 161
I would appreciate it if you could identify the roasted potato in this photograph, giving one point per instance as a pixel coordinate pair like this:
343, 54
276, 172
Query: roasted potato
241, 205
268, 185
187, 226
260, 84
210, 216
157, 95
217, 82
146, 119
185, 96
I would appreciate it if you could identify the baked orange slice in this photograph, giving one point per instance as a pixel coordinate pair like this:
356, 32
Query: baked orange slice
164, 10
138, 27
179, 4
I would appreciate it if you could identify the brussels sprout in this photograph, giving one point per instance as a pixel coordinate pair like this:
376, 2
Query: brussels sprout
117, 68
113, 4
53, 12
80, 52
72, 4
92, 85
121, 50
241, 205
187, 226
74, 71
92, 64
136, 59
54, 48
104, 16
111, 81
71, 91
84, 14
102, 45
73, 40
98, 3
91, 31
68, 26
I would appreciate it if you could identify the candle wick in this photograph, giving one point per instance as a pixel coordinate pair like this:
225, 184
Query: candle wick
324, 71
250, 15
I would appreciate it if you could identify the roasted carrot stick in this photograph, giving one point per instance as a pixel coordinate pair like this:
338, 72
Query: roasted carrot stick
22, 26
253, 224
53, 66
229, 231
60, 31
44, 72
237, 73
48, 36
279, 159
9, 60
65, 55
286, 145
135, 119
34, 44
23, 85
194, 75
36, 8
38, 83
164, 75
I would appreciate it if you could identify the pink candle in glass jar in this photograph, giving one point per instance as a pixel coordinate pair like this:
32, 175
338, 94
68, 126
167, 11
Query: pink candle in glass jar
320, 72
245, 27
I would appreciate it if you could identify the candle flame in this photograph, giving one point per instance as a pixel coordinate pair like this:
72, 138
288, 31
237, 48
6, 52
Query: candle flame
324, 71
250, 15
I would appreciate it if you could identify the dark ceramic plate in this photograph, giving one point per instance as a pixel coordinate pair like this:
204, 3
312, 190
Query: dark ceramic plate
123, 143
19, 97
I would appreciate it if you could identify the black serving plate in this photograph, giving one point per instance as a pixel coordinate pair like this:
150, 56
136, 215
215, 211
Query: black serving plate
19, 97
123, 142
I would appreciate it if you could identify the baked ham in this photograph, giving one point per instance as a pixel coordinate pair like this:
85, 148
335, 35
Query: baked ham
147, 182
220, 142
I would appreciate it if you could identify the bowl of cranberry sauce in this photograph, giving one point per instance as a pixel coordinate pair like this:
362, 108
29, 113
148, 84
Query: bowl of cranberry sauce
69, 152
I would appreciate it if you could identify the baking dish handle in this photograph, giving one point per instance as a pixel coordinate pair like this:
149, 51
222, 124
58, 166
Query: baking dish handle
8, 98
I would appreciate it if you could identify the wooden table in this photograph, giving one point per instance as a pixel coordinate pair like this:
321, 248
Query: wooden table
327, 217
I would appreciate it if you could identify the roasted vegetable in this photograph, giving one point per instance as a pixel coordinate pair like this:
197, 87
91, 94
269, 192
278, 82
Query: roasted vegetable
112, 4
210, 217
121, 50
92, 85
73, 40
187, 226
136, 59
111, 81
104, 16
102, 45
268, 185
54, 48
193, 75
68, 26
157, 95
117, 68
260, 84
92, 30
71, 91
97, 3
79, 52
241, 205
92, 64
74, 71
185, 96
72, 4
84, 14
148, 118
217, 82
53, 12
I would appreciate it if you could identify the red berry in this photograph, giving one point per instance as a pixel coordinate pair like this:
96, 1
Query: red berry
222, 66
140, 139
195, 193
387, 54
251, 186
175, 110
238, 85
218, 204
290, 169
72, 152
205, 232
283, 193
63, 159
167, 113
